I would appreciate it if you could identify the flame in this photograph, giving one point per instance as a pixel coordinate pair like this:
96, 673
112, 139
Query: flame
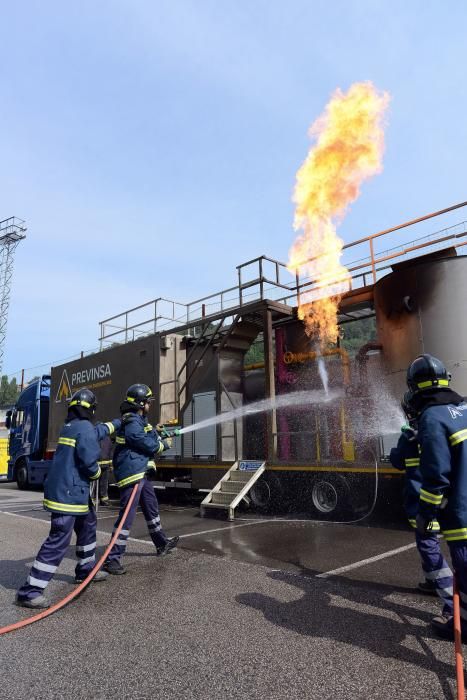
348, 149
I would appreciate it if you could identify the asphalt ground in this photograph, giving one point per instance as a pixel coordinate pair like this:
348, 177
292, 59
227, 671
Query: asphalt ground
258, 608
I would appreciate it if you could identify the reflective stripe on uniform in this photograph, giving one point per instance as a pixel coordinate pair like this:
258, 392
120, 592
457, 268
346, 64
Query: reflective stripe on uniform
160, 449
432, 498
37, 582
111, 427
147, 428
458, 437
120, 440
70, 442
439, 573
151, 464
435, 526
86, 560
41, 566
439, 382
66, 507
130, 479
104, 462
412, 462
97, 474
453, 535
85, 547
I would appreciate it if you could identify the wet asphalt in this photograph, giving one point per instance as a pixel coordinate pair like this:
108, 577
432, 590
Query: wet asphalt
258, 608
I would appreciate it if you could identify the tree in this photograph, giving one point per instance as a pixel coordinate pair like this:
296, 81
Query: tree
8, 391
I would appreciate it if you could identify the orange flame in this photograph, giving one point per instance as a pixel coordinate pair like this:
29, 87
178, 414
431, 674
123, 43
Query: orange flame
348, 149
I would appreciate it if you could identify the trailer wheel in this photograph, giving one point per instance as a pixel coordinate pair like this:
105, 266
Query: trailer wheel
22, 480
266, 493
330, 496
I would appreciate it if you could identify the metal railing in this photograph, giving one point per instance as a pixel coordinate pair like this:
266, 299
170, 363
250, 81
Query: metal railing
266, 278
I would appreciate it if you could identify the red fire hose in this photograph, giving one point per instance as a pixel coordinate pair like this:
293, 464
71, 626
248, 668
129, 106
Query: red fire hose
78, 589
457, 644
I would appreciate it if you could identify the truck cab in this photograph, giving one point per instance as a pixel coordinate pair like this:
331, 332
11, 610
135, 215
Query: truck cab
28, 424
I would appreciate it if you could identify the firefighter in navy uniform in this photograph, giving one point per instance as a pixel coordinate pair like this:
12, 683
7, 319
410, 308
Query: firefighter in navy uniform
67, 497
442, 435
136, 445
406, 457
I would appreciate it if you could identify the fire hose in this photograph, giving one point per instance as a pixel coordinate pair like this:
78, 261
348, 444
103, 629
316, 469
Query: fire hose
71, 596
457, 644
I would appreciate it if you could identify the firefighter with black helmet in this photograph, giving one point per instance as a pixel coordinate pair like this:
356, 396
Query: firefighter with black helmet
406, 457
136, 444
442, 434
67, 497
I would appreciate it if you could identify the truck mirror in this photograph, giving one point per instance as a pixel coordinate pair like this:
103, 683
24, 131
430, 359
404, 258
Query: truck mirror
8, 420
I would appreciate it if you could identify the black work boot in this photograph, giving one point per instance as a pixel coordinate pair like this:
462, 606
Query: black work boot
427, 587
98, 578
167, 548
38, 603
443, 626
114, 567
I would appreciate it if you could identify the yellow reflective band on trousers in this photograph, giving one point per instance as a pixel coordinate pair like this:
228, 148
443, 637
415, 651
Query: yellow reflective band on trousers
130, 480
69, 442
104, 462
120, 440
458, 437
111, 427
412, 462
433, 498
96, 475
65, 507
453, 535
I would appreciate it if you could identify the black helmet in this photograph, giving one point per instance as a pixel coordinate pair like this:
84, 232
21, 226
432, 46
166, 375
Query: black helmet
139, 394
427, 372
406, 405
84, 398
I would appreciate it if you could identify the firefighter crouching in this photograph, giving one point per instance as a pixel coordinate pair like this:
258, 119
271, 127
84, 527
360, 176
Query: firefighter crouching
442, 434
67, 497
406, 457
136, 444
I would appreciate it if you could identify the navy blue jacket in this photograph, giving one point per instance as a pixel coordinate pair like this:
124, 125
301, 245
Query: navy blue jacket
136, 444
66, 488
406, 457
442, 433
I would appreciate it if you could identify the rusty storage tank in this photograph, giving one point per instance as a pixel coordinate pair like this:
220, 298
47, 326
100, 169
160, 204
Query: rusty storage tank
421, 307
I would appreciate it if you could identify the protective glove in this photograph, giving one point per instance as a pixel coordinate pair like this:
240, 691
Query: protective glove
424, 524
409, 432
167, 442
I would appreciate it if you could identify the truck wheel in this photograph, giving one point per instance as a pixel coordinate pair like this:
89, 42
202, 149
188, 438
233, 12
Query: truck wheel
22, 480
267, 493
330, 496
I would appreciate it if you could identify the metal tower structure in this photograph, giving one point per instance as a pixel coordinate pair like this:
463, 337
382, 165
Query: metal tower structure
12, 231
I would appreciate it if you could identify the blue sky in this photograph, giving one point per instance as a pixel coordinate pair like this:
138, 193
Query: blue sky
152, 146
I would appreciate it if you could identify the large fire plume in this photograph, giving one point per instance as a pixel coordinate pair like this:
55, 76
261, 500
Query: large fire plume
348, 149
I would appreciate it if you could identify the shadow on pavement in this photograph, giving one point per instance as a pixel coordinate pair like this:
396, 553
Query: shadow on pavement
338, 609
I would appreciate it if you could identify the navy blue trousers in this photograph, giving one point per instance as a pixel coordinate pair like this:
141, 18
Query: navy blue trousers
436, 568
146, 497
53, 550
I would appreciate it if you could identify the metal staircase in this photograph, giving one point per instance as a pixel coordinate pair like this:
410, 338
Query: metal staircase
233, 487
